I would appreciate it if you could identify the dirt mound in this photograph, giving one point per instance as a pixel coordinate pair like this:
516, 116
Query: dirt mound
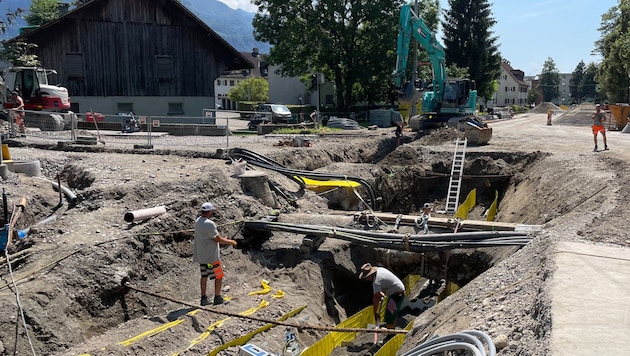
544, 107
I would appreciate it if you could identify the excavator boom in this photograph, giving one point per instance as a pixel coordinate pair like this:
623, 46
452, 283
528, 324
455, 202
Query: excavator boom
449, 100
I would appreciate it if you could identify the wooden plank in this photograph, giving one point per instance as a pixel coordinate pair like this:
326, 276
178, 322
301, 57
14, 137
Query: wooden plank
447, 223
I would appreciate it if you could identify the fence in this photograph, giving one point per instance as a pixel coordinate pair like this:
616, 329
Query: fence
128, 130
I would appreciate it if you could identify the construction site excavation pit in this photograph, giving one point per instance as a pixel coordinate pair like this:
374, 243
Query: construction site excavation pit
298, 243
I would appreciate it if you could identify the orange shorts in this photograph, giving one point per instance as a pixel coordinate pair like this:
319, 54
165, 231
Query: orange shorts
597, 129
212, 270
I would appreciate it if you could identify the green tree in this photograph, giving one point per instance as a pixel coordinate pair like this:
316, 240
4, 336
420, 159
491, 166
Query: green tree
250, 89
348, 41
613, 73
589, 85
575, 83
549, 80
19, 54
532, 94
42, 11
469, 42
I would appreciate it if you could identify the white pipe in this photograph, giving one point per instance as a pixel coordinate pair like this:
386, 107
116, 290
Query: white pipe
144, 214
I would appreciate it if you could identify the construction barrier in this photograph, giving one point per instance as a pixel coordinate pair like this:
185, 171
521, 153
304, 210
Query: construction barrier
467, 206
392, 346
129, 130
492, 211
359, 320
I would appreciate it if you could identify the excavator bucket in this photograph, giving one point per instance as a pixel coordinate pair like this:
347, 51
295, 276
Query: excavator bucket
477, 132
409, 95
478, 135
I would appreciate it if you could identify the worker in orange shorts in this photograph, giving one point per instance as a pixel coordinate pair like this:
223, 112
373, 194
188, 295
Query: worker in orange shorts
598, 126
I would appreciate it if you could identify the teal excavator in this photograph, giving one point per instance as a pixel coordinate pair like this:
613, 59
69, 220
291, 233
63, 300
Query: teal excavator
446, 101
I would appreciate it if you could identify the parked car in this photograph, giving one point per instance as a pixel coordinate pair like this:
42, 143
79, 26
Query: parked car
276, 113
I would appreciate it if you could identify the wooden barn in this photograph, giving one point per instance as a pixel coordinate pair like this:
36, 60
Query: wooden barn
150, 57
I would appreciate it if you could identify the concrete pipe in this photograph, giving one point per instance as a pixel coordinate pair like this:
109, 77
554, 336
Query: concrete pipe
30, 168
144, 214
4, 171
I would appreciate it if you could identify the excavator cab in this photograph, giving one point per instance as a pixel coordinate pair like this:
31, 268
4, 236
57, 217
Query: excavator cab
457, 92
25, 80
32, 84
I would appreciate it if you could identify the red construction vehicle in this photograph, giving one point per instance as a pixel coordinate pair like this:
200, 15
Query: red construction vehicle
38, 95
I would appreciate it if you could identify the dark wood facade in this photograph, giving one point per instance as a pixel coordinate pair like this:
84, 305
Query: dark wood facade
134, 48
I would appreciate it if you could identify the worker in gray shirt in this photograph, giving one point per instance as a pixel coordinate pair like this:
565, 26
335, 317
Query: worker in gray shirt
384, 284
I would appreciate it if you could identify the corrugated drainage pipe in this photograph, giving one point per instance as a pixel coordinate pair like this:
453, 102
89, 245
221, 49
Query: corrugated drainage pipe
144, 214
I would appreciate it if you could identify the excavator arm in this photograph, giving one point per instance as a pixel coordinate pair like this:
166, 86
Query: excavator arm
451, 100
412, 25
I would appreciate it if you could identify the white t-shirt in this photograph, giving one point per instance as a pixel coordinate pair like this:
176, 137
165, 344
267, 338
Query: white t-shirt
206, 249
387, 282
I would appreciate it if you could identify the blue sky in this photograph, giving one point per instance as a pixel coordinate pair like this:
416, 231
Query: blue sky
533, 30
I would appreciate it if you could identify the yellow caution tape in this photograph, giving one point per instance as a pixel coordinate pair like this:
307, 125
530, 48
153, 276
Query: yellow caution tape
250, 311
151, 332
266, 289
279, 294
243, 339
157, 330
204, 335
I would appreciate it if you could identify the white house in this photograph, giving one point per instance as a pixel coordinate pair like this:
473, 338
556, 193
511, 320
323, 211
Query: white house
230, 79
512, 87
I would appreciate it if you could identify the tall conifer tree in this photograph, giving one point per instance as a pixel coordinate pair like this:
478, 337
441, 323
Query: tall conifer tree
469, 42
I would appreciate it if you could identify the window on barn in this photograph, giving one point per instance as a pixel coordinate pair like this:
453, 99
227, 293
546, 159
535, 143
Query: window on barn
125, 107
74, 65
176, 109
164, 68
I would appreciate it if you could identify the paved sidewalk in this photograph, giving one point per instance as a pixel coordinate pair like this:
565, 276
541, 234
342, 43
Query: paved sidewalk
591, 300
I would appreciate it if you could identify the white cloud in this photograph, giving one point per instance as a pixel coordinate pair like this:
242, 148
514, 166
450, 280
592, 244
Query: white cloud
245, 5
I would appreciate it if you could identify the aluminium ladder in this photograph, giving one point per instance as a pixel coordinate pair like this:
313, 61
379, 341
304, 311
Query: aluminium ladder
455, 184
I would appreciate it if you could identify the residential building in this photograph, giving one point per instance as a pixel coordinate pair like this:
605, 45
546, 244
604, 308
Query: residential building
150, 57
230, 79
512, 88
289, 90
282, 90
